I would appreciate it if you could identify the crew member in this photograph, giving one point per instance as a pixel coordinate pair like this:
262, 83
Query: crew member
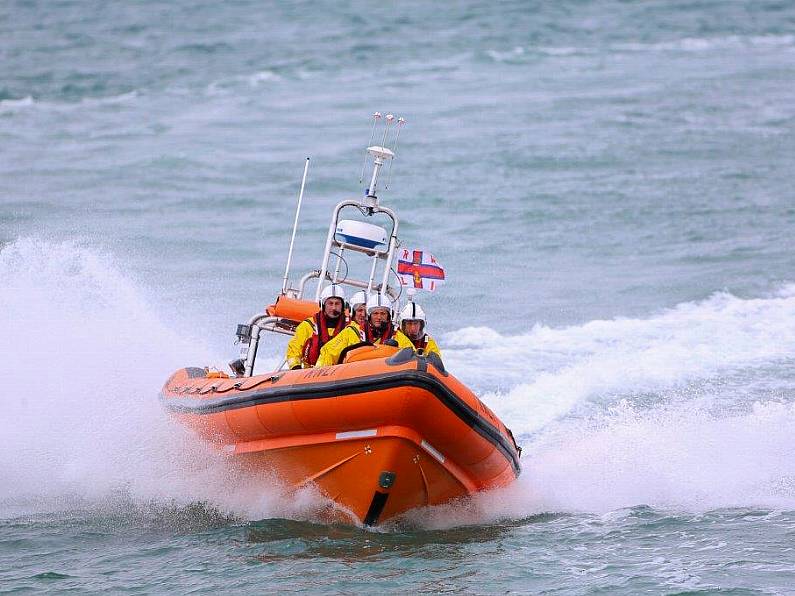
359, 309
412, 331
315, 332
379, 328
376, 329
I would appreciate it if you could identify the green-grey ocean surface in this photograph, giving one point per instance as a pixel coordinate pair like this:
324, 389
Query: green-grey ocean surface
608, 184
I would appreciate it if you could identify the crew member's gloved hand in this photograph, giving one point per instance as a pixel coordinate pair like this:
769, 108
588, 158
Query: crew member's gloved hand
296, 367
391, 342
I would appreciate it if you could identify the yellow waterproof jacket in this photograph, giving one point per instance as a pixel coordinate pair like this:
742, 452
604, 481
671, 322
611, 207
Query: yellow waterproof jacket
404, 342
295, 349
330, 353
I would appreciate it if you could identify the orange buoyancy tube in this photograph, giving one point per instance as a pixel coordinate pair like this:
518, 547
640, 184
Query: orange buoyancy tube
320, 337
293, 309
366, 352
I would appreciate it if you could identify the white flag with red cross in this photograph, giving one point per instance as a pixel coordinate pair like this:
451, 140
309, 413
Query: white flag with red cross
419, 269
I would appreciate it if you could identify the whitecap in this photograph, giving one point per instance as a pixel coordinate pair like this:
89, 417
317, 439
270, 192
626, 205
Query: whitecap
702, 44
503, 56
261, 77
14, 105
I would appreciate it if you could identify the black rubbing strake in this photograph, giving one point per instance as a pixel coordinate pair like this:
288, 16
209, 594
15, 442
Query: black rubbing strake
330, 389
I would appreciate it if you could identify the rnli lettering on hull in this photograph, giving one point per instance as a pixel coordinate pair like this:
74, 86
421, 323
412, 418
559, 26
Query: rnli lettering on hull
324, 371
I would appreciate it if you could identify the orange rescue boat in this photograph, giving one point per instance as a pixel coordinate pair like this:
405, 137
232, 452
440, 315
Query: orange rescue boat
378, 436
383, 432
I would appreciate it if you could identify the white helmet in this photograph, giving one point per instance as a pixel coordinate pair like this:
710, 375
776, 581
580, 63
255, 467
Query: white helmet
379, 301
412, 312
358, 299
332, 291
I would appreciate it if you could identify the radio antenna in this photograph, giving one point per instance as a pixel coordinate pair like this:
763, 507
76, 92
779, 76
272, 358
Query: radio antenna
295, 227
376, 118
400, 122
389, 119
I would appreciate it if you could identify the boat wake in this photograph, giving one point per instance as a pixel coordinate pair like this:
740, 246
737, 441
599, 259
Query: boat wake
82, 423
723, 339
674, 458
688, 409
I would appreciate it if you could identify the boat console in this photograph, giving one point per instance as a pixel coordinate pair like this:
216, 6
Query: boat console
361, 229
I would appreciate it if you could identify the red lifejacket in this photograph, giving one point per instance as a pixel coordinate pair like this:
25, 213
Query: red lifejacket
420, 343
388, 332
320, 337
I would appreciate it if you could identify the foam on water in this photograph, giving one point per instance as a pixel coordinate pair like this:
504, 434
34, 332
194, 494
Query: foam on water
679, 458
550, 372
13, 105
685, 45
84, 356
612, 414
702, 44
85, 104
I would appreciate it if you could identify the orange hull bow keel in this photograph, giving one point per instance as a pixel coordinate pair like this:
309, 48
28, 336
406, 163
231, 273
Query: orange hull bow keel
379, 436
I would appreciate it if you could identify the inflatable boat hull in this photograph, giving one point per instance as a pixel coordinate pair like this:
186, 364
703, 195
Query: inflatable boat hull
378, 437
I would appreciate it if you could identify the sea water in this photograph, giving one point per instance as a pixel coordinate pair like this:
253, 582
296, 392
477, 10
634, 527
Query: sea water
608, 185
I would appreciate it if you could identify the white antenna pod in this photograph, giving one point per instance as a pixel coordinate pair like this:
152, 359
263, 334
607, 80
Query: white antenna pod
379, 155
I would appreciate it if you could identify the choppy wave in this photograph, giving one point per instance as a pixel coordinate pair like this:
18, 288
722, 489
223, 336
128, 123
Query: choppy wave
14, 105
28, 102
681, 456
678, 458
520, 54
611, 413
252, 81
702, 44
549, 372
